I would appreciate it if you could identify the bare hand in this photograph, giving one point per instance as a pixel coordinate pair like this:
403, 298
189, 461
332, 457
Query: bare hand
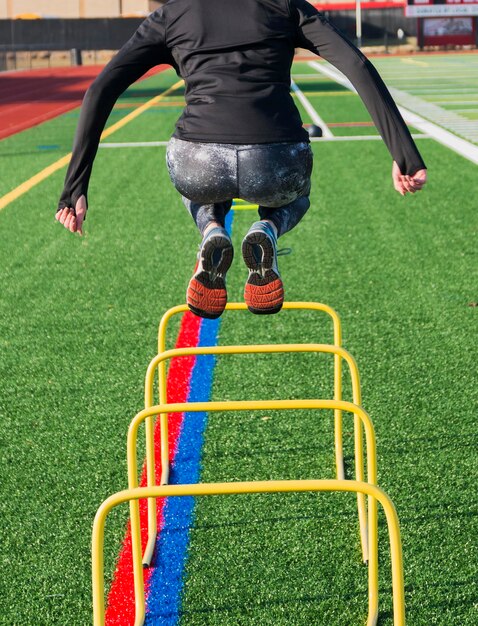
408, 184
71, 219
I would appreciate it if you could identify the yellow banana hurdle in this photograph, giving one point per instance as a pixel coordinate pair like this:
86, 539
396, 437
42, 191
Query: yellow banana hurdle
158, 363
241, 306
288, 486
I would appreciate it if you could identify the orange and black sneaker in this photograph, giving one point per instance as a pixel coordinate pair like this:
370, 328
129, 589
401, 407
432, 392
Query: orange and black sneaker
264, 291
206, 295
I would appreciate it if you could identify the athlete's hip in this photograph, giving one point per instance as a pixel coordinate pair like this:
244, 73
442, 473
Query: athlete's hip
271, 174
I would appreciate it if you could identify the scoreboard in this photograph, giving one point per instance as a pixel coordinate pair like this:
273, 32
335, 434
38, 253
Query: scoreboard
441, 8
444, 22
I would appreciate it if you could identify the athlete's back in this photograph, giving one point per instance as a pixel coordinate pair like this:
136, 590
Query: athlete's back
235, 57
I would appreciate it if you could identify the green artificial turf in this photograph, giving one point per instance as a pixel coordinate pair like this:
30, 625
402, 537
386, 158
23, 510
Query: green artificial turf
78, 322
402, 273
78, 327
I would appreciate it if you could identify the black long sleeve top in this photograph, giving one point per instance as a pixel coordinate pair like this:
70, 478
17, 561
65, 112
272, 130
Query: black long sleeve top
235, 57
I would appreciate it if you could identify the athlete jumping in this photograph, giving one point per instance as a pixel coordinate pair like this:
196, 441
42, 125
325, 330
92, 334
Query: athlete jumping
240, 135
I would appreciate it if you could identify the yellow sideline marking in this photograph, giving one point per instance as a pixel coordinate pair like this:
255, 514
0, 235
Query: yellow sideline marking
54, 167
169, 103
414, 62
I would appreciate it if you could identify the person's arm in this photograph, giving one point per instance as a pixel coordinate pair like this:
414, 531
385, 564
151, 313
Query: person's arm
144, 50
317, 34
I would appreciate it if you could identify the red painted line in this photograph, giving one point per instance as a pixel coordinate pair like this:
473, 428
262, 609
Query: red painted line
344, 124
120, 605
304, 57
33, 97
335, 5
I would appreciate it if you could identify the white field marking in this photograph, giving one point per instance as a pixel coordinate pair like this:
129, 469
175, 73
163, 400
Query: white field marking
432, 83
329, 94
458, 102
426, 74
447, 118
440, 82
155, 144
442, 90
448, 139
134, 144
305, 76
362, 137
34, 180
314, 116
437, 72
332, 73
341, 79
429, 72
338, 77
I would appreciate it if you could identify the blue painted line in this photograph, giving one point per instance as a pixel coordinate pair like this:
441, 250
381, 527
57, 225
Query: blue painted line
166, 583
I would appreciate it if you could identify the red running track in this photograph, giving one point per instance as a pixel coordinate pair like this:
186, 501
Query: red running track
28, 98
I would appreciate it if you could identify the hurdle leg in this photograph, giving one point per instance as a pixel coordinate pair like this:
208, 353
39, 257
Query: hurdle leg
139, 597
150, 459
97, 560
151, 480
339, 456
372, 561
361, 499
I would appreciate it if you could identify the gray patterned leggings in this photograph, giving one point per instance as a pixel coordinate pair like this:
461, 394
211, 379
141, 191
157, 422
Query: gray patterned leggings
276, 176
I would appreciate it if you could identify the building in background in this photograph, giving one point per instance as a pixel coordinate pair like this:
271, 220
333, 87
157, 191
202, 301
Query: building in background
36, 34
38, 30
76, 8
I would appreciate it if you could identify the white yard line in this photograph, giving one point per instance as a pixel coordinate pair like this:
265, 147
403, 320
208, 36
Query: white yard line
436, 91
156, 144
134, 144
428, 75
445, 137
332, 73
457, 144
314, 116
415, 62
305, 76
362, 137
457, 102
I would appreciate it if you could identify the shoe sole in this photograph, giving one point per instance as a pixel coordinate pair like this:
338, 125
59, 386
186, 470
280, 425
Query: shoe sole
264, 291
206, 294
